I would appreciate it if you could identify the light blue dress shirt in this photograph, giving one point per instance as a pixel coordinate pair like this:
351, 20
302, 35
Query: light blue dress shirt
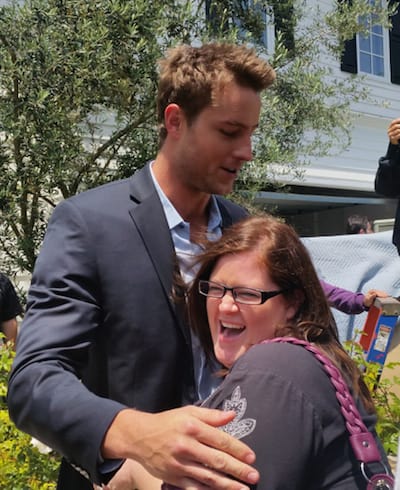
186, 252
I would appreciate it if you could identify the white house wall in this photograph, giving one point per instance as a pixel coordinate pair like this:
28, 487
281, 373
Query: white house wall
355, 168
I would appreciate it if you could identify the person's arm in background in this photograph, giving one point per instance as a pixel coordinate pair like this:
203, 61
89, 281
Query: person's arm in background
10, 308
10, 329
387, 179
349, 302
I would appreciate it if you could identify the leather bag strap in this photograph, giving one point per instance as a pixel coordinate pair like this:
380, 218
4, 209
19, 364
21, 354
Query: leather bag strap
361, 440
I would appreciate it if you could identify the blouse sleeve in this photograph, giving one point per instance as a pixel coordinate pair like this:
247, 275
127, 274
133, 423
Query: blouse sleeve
343, 299
276, 420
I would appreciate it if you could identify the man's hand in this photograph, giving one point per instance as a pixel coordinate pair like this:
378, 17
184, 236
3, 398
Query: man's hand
183, 447
394, 132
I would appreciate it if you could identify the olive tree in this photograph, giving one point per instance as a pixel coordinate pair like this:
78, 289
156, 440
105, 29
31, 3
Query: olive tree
78, 84
307, 114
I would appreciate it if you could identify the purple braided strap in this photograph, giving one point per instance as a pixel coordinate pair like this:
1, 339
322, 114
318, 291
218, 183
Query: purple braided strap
361, 440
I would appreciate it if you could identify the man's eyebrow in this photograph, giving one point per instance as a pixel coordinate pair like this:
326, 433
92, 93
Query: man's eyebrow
239, 124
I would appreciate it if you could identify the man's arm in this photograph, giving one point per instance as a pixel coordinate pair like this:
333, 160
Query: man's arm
47, 399
182, 447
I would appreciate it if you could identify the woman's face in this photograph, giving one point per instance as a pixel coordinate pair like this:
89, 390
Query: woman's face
235, 327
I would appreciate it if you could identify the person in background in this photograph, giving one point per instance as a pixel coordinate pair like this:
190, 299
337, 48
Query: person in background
10, 309
349, 302
343, 299
358, 225
387, 178
258, 283
104, 356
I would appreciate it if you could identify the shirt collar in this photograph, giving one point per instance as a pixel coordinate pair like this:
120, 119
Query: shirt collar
174, 218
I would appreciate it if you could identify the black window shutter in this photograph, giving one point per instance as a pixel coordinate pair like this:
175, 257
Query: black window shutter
394, 42
348, 60
285, 22
211, 16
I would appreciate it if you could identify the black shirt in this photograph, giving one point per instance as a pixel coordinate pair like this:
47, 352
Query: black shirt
10, 306
288, 413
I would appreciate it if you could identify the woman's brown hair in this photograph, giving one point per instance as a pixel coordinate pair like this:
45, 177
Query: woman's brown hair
290, 267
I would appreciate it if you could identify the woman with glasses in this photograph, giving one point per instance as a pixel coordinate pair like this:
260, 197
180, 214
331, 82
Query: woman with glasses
256, 283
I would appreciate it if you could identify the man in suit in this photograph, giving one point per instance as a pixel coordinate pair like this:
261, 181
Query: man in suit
103, 355
387, 179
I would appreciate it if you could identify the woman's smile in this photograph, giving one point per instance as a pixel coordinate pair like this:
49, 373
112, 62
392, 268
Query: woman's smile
228, 330
234, 325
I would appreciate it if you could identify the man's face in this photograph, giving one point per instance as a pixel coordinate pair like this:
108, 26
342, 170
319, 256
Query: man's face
213, 148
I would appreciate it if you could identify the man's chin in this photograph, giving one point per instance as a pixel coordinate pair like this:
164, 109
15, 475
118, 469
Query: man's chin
223, 190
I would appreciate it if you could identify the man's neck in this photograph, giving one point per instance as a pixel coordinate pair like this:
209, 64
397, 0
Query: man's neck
192, 205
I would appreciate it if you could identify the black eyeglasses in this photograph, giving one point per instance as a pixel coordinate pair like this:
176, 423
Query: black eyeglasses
245, 296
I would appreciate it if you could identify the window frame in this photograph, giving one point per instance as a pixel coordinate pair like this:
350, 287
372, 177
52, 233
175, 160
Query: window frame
386, 55
349, 62
268, 35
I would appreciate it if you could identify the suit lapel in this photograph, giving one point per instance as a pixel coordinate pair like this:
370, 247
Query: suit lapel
225, 216
149, 218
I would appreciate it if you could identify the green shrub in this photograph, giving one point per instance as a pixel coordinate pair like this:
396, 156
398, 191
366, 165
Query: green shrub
22, 465
387, 403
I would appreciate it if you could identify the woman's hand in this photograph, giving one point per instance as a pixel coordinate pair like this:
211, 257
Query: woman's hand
132, 476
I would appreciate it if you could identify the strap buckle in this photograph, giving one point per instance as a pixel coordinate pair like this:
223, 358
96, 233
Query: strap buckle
380, 481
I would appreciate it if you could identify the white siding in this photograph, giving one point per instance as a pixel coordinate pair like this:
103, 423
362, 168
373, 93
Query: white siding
355, 168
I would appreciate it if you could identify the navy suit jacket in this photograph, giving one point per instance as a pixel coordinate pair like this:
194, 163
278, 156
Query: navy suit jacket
387, 183
101, 331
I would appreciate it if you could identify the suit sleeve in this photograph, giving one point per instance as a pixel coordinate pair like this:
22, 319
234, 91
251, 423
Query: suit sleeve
46, 397
387, 179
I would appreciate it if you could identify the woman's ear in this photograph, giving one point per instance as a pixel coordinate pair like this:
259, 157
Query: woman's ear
294, 303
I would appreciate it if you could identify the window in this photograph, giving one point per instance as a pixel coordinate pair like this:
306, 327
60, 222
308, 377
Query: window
267, 37
371, 52
248, 10
372, 48
377, 52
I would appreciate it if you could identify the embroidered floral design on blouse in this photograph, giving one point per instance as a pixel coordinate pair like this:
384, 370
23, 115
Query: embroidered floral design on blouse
239, 427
